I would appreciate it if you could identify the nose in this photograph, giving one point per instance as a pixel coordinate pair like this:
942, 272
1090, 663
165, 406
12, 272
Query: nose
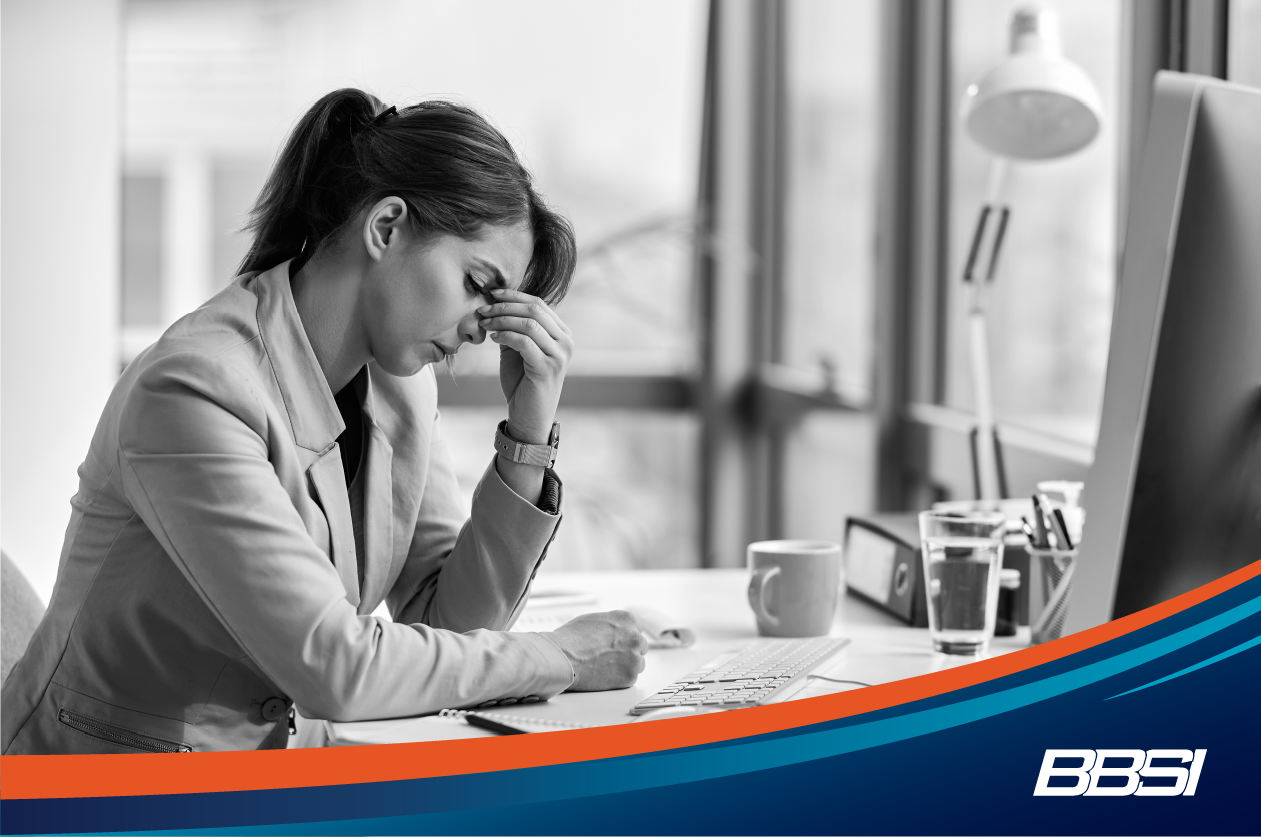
470, 330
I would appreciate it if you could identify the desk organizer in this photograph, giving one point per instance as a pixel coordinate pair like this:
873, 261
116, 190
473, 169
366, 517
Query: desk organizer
1056, 572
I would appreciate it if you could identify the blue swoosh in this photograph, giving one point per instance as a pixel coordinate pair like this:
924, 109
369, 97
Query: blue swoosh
1215, 659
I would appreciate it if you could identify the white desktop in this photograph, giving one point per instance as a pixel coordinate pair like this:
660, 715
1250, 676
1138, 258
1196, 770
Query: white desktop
713, 604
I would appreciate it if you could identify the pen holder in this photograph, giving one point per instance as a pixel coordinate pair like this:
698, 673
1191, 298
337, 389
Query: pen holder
1055, 568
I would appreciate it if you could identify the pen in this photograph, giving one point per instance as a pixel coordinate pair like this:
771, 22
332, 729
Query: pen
1061, 529
1040, 522
1030, 533
493, 726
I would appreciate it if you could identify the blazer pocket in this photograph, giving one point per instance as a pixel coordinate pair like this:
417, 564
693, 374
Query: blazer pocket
117, 735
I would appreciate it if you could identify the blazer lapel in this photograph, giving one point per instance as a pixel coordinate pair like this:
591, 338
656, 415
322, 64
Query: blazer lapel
312, 411
330, 484
378, 516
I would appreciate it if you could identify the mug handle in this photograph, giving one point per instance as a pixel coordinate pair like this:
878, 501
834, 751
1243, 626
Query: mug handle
757, 593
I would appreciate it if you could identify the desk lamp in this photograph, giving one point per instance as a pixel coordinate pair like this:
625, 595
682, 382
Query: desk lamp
1034, 105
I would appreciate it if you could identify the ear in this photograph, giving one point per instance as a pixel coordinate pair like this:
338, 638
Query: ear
385, 227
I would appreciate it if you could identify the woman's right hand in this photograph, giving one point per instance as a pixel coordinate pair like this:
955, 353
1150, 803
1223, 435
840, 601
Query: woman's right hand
605, 649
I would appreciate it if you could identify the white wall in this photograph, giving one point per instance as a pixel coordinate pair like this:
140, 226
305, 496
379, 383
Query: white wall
59, 208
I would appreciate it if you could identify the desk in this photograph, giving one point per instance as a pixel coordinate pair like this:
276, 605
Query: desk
713, 603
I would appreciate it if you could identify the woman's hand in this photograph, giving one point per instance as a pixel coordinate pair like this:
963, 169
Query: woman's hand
535, 346
605, 649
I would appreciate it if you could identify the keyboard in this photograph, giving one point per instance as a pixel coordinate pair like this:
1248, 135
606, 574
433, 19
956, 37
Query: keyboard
748, 677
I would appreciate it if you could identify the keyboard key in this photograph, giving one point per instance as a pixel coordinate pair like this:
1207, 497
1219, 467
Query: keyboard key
747, 677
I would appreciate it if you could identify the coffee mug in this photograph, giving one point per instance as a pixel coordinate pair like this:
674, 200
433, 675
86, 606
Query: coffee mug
794, 586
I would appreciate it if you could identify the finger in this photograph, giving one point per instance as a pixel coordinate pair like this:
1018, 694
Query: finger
532, 330
507, 295
531, 310
529, 350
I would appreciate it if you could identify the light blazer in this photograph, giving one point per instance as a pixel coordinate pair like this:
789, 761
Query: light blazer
209, 577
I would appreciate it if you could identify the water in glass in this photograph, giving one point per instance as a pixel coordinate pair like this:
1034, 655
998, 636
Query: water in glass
962, 587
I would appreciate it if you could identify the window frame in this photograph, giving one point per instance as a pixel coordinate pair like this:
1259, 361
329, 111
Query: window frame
1186, 35
748, 402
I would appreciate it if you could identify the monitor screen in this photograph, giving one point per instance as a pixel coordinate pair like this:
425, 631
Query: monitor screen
1173, 499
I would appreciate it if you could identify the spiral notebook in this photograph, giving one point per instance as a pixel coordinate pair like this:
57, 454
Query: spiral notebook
521, 722
448, 725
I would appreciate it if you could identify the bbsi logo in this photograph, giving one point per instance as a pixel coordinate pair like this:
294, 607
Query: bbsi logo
1134, 769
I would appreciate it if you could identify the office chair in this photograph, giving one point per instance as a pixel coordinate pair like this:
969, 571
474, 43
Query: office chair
20, 611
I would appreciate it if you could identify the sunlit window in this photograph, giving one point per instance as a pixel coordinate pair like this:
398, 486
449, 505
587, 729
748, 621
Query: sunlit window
1243, 50
1051, 307
831, 61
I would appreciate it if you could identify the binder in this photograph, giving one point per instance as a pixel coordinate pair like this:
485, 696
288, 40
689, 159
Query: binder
883, 566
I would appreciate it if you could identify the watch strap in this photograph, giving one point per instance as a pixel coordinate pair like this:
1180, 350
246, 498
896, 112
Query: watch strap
514, 451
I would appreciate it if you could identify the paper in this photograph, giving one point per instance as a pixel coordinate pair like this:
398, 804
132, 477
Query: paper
547, 610
661, 631
444, 727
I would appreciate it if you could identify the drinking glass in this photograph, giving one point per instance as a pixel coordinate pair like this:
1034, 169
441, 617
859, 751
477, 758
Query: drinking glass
963, 554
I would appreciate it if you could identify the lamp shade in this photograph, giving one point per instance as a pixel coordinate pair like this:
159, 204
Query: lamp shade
1035, 105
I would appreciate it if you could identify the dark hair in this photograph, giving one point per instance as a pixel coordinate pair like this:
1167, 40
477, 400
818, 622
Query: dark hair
455, 172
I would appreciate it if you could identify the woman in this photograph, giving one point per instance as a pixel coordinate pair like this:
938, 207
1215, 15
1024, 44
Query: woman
271, 470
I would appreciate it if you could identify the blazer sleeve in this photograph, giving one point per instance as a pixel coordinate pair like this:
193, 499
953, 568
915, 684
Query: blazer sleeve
193, 451
479, 577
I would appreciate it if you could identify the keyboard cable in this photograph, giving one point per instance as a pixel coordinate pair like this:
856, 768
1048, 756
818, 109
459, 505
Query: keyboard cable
835, 680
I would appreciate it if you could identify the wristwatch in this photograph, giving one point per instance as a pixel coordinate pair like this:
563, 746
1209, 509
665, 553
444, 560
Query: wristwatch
515, 451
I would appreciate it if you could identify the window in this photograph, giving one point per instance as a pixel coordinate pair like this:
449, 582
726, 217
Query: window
1243, 51
831, 120
1051, 305
141, 286
829, 231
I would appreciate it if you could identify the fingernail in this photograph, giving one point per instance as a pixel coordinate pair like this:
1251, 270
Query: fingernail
498, 291
484, 310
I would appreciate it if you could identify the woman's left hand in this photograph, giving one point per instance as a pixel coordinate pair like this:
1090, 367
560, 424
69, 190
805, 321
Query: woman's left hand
535, 346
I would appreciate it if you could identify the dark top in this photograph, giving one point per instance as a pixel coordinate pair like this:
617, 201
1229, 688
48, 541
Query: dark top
351, 439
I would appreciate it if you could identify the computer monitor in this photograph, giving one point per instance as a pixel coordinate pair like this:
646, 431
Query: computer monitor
1173, 500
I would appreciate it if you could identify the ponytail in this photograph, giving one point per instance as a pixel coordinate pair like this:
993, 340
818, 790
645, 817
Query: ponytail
296, 210
455, 172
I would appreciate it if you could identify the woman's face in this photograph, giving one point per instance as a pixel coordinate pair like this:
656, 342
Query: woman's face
421, 298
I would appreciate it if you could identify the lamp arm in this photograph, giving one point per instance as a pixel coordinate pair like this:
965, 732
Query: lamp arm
1003, 217
978, 235
990, 482
986, 436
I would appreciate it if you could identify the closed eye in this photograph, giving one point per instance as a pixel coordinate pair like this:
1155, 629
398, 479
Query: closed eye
477, 288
